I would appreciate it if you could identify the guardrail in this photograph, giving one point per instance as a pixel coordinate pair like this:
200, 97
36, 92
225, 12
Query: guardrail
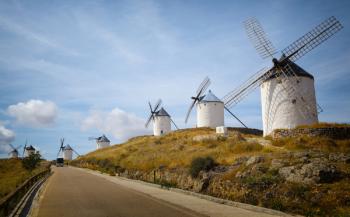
8, 203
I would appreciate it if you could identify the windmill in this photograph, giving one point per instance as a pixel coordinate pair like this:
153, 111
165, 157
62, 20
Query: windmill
101, 141
287, 91
66, 150
28, 150
210, 109
14, 152
161, 119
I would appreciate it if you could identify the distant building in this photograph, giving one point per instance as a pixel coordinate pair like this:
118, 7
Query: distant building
102, 142
67, 152
210, 111
29, 150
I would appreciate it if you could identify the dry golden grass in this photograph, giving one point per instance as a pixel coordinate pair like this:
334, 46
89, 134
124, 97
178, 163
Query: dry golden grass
319, 143
176, 149
13, 175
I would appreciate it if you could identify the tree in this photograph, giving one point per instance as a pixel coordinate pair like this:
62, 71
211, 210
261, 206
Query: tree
31, 162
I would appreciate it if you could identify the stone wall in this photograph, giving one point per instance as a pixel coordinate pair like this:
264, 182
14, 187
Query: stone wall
332, 132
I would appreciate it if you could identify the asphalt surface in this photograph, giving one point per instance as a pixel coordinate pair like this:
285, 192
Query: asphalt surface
71, 192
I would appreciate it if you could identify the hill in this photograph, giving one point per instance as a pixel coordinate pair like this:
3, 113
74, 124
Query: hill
13, 174
301, 175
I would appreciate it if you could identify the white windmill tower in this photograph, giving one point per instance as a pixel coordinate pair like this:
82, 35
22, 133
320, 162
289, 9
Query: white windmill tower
28, 150
210, 109
101, 142
66, 151
14, 152
161, 120
287, 91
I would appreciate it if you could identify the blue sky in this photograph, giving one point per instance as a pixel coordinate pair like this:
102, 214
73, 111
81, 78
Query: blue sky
76, 69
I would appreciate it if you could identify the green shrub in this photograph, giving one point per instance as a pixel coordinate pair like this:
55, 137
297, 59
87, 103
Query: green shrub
201, 163
31, 162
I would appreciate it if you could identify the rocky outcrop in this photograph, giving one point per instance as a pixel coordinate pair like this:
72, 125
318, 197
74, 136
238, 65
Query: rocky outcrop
330, 132
319, 170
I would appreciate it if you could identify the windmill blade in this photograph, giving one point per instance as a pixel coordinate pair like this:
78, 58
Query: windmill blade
149, 120
150, 106
258, 37
190, 109
159, 102
201, 89
174, 123
92, 138
12, 146
25, 146
228, 110
204, 85
238, 94
62, 142
312, 39
61, 146
75, 152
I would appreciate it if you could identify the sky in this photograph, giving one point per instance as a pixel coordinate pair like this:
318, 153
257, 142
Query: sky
76, 69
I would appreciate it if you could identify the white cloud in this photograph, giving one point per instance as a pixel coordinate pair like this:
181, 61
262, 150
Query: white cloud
120, 124
6, 137
35, 113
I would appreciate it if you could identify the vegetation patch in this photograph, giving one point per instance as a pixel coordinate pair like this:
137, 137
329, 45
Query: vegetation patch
13, 174
201, 163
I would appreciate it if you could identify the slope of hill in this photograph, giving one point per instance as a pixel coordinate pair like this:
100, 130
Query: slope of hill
304, 175
12, 175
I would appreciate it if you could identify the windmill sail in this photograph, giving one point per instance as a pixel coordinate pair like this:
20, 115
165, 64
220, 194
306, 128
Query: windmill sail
312, 39
238, 94
259, 38
153, 111
201, 89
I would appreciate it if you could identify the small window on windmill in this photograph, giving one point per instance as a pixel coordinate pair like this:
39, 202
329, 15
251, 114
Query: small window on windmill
161, 132
279, 81
298, 81
294, 101
205, 104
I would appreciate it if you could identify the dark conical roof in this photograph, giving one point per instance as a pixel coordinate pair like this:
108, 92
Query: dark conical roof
103, 138
162, 112
296, 69
67, 147
30, 147
209, 97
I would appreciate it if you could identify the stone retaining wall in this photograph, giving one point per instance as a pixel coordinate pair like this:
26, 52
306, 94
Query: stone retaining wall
332, 132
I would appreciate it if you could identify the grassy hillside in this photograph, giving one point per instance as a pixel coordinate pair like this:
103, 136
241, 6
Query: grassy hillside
177, 149
303, 175
13, 175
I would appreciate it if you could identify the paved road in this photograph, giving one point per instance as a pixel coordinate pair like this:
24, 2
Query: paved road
72, 192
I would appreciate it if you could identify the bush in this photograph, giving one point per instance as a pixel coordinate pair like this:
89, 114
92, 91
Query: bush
200, 163
31, 162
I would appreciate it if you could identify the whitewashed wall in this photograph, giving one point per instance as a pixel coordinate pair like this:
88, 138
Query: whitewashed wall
161, 125
210, 114
102, 144
68, 154
13, 154
278, 109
